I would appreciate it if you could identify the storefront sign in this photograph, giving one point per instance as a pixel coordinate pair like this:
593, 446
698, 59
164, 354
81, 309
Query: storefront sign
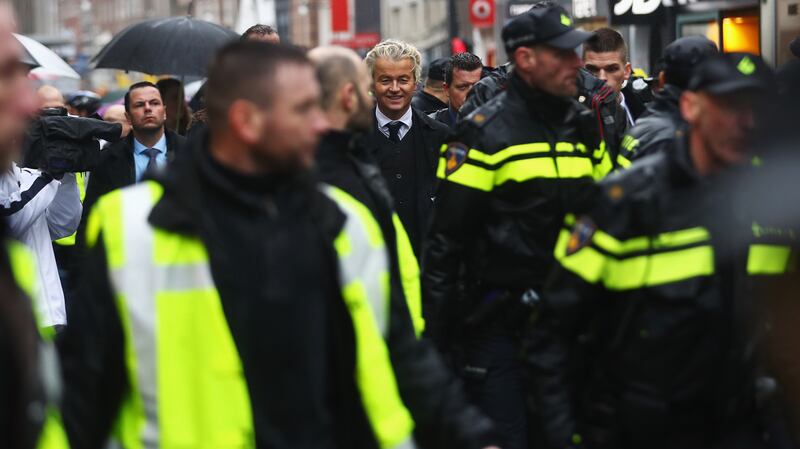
626, 12
584, 9
481, 13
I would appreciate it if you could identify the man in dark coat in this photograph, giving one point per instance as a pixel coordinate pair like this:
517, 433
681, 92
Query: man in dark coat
405, 143
148, 146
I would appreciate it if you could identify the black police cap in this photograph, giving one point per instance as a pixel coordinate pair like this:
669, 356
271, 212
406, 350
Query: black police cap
550, 25
731, 72
436, 69
687, 52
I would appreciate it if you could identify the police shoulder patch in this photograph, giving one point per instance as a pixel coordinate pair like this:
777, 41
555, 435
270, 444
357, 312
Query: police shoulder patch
455, 155
581, 235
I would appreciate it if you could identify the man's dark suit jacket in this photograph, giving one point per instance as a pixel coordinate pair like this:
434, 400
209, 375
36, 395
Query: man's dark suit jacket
429, 136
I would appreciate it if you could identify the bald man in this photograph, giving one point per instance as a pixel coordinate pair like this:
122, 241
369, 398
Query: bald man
50, 97
116, 114
432, 395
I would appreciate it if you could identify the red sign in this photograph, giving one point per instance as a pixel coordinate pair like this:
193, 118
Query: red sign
340, 16
481, 13
360, 40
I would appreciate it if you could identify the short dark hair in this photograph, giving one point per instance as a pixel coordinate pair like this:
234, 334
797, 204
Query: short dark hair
461, 61
605, 40
139, 85
258, 29
245, 70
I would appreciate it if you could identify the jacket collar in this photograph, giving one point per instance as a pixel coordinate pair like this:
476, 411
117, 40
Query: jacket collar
544, 105
182, 207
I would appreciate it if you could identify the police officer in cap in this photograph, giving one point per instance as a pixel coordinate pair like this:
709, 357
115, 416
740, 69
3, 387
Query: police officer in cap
646, 333
512, 171
432, 97
656, 129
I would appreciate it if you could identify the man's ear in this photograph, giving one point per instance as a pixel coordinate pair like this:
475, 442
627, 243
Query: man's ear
525, 58
690, 106
446, 88
245, 121
628, 70
662, 80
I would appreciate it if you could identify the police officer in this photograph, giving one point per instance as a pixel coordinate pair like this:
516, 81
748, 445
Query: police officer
514, 168
435, 400
657, 127
232, 302
646, 335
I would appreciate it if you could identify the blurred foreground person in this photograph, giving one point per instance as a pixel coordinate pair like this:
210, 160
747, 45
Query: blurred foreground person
433, 397
50, 97
233, 302
656, 129
647, 333
29, 378
514, 168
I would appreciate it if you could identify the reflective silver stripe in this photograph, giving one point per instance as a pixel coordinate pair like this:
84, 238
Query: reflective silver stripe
365, 264
407, 444
131, 280
139, 280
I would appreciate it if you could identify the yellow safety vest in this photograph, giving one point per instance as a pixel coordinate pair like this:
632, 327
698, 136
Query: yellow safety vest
409, 275
80, 179
187, 385
23, 267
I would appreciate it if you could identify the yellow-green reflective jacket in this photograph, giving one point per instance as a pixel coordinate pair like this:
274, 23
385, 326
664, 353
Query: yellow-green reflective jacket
80, 179
23, 267
187, 387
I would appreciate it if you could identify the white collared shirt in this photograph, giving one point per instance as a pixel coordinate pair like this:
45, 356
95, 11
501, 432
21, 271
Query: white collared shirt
631, 121
383, 120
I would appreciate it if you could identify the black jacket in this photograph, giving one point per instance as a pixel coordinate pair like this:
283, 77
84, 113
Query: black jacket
504, 227
426, 102
598, 96
645, 334
22, 388
117, 169
269, 240
445, 117
637, 96
434, 397
430, 135
655, 130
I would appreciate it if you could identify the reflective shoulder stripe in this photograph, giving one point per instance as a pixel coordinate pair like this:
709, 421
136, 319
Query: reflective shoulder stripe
364, 272
409, 274
363, 257
765, 259
638, 262
69, 240
187, 387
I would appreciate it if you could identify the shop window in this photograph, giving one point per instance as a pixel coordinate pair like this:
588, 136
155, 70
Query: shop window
741, 33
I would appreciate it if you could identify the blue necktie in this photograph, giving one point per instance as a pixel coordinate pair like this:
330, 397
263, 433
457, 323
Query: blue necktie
151, 153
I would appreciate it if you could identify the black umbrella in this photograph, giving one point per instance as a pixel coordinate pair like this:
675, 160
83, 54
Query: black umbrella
177, 46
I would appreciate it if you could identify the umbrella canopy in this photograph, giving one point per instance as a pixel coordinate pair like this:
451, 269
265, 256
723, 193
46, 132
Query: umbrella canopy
48, 61
175, 46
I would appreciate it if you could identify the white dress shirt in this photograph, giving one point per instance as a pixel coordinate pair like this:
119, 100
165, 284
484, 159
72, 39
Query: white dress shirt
383, 120
631, 121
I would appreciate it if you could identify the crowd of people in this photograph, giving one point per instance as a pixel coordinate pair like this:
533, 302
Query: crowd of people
325, 252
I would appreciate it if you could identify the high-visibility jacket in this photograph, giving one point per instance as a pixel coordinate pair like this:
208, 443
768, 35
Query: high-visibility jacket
23, 267
187, 387
69, 240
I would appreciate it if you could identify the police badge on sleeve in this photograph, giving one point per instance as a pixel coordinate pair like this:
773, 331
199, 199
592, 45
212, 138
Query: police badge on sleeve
455, 155
581, 235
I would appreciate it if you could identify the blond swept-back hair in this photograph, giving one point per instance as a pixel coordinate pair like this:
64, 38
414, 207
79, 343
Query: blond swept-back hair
394, 50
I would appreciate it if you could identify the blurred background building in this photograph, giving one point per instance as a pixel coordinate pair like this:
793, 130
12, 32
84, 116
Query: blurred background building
77, 29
